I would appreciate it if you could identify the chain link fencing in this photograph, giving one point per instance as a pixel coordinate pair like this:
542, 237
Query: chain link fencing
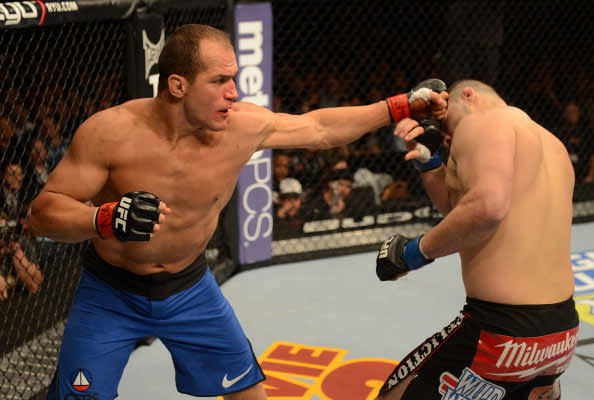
538, 55
52, 79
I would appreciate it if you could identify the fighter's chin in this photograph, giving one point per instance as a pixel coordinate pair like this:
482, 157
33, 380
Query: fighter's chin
217, 126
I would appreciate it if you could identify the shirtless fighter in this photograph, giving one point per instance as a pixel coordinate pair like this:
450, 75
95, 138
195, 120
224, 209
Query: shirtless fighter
160, 170
506, 195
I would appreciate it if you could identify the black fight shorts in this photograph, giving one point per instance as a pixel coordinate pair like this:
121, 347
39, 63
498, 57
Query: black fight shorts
492, 352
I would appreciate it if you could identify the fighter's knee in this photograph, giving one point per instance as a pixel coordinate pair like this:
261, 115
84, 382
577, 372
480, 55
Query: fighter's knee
397, 391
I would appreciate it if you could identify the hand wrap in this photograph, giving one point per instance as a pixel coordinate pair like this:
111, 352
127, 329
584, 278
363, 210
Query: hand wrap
428, 145
404, 105
398, 255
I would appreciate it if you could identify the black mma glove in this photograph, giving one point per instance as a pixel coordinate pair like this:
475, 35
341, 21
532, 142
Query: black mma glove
428, 145
416, 102
130, 219
398, 255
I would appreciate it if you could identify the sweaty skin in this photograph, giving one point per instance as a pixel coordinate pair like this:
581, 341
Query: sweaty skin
186, 146
508, 207
527, 259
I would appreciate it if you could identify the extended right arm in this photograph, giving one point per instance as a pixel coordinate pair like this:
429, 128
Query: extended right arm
59, 211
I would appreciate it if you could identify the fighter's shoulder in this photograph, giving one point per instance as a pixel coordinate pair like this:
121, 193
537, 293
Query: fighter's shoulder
110, 124
241, 107
250, 117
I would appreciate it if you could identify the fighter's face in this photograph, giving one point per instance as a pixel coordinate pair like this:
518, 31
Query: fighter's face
212, 93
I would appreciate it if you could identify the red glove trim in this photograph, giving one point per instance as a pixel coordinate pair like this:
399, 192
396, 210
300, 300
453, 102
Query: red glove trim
398, 106
103, 220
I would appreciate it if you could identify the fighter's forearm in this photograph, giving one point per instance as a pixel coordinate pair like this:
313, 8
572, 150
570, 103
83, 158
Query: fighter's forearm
342, 125
434, 183
62, 218
468, 224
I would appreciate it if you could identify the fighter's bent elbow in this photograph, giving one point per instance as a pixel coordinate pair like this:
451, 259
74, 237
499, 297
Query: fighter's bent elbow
494, 207
36, 217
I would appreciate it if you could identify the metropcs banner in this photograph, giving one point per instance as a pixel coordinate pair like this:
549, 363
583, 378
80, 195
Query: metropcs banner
253, 45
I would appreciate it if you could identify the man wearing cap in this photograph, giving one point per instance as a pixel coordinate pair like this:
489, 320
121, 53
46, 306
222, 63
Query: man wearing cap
289, 213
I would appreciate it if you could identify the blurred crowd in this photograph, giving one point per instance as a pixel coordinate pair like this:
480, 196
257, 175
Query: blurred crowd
34, 135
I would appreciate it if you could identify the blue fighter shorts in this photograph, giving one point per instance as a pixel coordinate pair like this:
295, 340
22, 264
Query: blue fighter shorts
210, 351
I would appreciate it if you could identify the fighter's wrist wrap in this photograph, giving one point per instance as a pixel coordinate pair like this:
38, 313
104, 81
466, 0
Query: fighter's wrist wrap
103, 220
398, 255
412, 254
434, 162
398, 107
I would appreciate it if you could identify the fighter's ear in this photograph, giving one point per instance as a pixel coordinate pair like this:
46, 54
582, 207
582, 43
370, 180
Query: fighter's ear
468, 95
177, 85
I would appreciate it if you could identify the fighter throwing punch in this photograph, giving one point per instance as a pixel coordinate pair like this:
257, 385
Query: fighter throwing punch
506, 195
159, 172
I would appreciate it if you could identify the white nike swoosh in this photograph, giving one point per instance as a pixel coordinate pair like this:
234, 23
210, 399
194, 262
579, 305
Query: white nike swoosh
228, 383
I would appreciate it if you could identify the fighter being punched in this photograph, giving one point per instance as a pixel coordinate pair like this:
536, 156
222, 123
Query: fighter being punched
506, 197
159, 171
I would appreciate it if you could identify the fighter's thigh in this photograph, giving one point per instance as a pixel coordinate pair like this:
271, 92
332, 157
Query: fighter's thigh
89, 368
209, 348
97, 342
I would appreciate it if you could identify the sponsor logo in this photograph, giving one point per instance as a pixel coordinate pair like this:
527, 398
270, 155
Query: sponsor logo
392, 218
17, 12
469, 386
151, 58
81, 380
61, 6
122, 212
14, 12
251, 78
508, 359
227, 383
301, 372
257, 198
383, 253
416, 358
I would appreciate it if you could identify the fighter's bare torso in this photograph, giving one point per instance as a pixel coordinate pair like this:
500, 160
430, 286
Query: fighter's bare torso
195, 175
527, 259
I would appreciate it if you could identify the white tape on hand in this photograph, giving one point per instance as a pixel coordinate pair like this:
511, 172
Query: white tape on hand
424, 151
422, 93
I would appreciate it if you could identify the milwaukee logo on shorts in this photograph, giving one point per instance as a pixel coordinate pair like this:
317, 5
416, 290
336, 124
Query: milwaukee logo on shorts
512, 359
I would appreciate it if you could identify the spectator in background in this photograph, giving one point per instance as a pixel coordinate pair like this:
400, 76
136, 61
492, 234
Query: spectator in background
18, 257
308, 168
574, 132
332, 91
289, 213
12, 198
311, 103
542, 100
55, 143
281, 168
7, 138
23, 125
39, 167
341, 200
